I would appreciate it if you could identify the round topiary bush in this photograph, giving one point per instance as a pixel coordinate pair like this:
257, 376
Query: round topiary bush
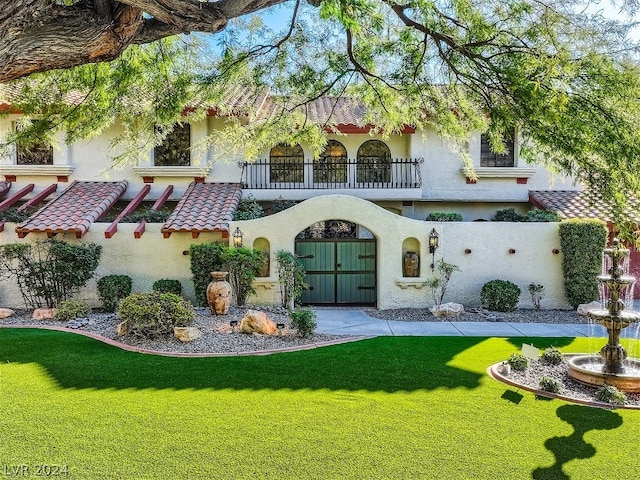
167, 285
153, 314
112, 289
71, 309
500, 295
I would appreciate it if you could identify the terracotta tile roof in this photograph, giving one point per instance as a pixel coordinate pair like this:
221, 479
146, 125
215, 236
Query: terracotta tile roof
323, 111
75, 209
4, 188
579, 204
205, 207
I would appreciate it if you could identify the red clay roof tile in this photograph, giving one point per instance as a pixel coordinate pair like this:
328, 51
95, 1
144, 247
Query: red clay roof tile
205, 207
75, 209
579, 204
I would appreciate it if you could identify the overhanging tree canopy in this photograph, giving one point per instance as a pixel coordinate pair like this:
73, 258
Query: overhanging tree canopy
567, 80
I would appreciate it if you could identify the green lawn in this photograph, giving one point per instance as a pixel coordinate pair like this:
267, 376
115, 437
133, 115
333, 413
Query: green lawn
390, 407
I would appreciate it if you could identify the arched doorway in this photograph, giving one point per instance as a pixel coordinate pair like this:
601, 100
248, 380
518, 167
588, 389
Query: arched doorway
339, 258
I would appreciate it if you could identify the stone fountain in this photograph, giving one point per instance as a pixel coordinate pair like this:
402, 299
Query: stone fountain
611, 367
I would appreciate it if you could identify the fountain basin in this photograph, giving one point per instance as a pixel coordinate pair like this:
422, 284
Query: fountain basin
589, 369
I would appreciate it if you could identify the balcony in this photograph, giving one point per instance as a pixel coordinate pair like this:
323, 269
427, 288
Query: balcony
292, 174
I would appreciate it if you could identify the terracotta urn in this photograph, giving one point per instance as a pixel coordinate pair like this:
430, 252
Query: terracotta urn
411, 264
219, 293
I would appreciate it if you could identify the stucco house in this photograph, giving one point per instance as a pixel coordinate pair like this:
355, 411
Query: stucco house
362, 207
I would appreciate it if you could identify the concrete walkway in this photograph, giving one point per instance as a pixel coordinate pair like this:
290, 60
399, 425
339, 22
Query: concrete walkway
357, 322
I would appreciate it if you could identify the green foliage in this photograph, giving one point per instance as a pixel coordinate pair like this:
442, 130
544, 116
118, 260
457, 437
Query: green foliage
500, 295
582, 242
291, 278
517, 361
112, 289
280, 204
167, 285
508, 215
550, 384
13, 215
537, 294
551, 356
439, 284
153, 314
610, 394
444, 217
537, 215
248, 209
304, 321
205, 258
244, 265
71, 309
49, 271
149, 215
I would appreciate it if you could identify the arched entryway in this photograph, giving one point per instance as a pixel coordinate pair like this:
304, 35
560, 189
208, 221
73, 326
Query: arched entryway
339, 258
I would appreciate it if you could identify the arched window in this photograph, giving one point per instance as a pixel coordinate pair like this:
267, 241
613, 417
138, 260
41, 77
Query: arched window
374, 162
331, 166
286, 164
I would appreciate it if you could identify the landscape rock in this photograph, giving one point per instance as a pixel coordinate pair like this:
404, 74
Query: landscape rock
6, 313
255, 321
44, 314
78, 323
186, 334
585, 307
449, 309
123, 328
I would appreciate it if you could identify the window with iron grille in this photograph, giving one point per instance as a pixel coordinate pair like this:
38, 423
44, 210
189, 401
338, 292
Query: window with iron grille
286, 164
175, 149
374, 162
331, 166
38, 153
491, 159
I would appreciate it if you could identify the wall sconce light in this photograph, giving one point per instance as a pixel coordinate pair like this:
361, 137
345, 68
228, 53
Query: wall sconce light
433, 245
467, 251
237, 238
512, 251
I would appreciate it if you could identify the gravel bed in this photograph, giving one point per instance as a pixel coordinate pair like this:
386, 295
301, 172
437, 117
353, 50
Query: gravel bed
536, 370
217, 334
481, 315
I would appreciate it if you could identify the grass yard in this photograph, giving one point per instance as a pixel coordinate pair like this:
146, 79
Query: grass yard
390, 407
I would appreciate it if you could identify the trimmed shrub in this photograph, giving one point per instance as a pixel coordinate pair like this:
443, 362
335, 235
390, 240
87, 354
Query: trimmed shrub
444, 217
112, 289
610, 394
551, 356
153, 314
280, 204
582, 242
49, 271
537, 215
167, 285
518, 361
549, 384
205, 258
508, 215
148, 215
500, 295
13, 215
71, 309
244, 265
304, 321
248, 209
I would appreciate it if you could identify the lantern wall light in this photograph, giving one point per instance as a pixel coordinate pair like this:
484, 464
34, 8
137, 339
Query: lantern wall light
237, 238
433, 245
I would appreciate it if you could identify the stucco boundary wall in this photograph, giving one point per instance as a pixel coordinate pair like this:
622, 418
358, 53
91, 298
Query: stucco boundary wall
522, 253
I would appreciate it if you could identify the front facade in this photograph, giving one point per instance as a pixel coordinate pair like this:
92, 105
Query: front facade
76, 190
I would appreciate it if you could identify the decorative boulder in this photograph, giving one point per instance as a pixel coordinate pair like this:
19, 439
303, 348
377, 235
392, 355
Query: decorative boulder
186, 334
583, 308
257, 322
6, 313
449, 309
44, 314
123, 328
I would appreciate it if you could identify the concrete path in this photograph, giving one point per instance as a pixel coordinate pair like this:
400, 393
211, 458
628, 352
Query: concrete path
357, 322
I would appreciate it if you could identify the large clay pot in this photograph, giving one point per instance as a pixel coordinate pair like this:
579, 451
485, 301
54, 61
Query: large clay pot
219, 293
411, 264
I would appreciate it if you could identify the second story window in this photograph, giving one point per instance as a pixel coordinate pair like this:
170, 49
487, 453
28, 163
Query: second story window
38, 153
491, 159
374, 162
331, 166
286, 164
175, 149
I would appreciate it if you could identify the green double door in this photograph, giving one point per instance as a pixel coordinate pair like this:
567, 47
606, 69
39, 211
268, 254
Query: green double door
339, 272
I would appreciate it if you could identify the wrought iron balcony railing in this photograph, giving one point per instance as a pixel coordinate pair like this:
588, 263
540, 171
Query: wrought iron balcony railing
292, 174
